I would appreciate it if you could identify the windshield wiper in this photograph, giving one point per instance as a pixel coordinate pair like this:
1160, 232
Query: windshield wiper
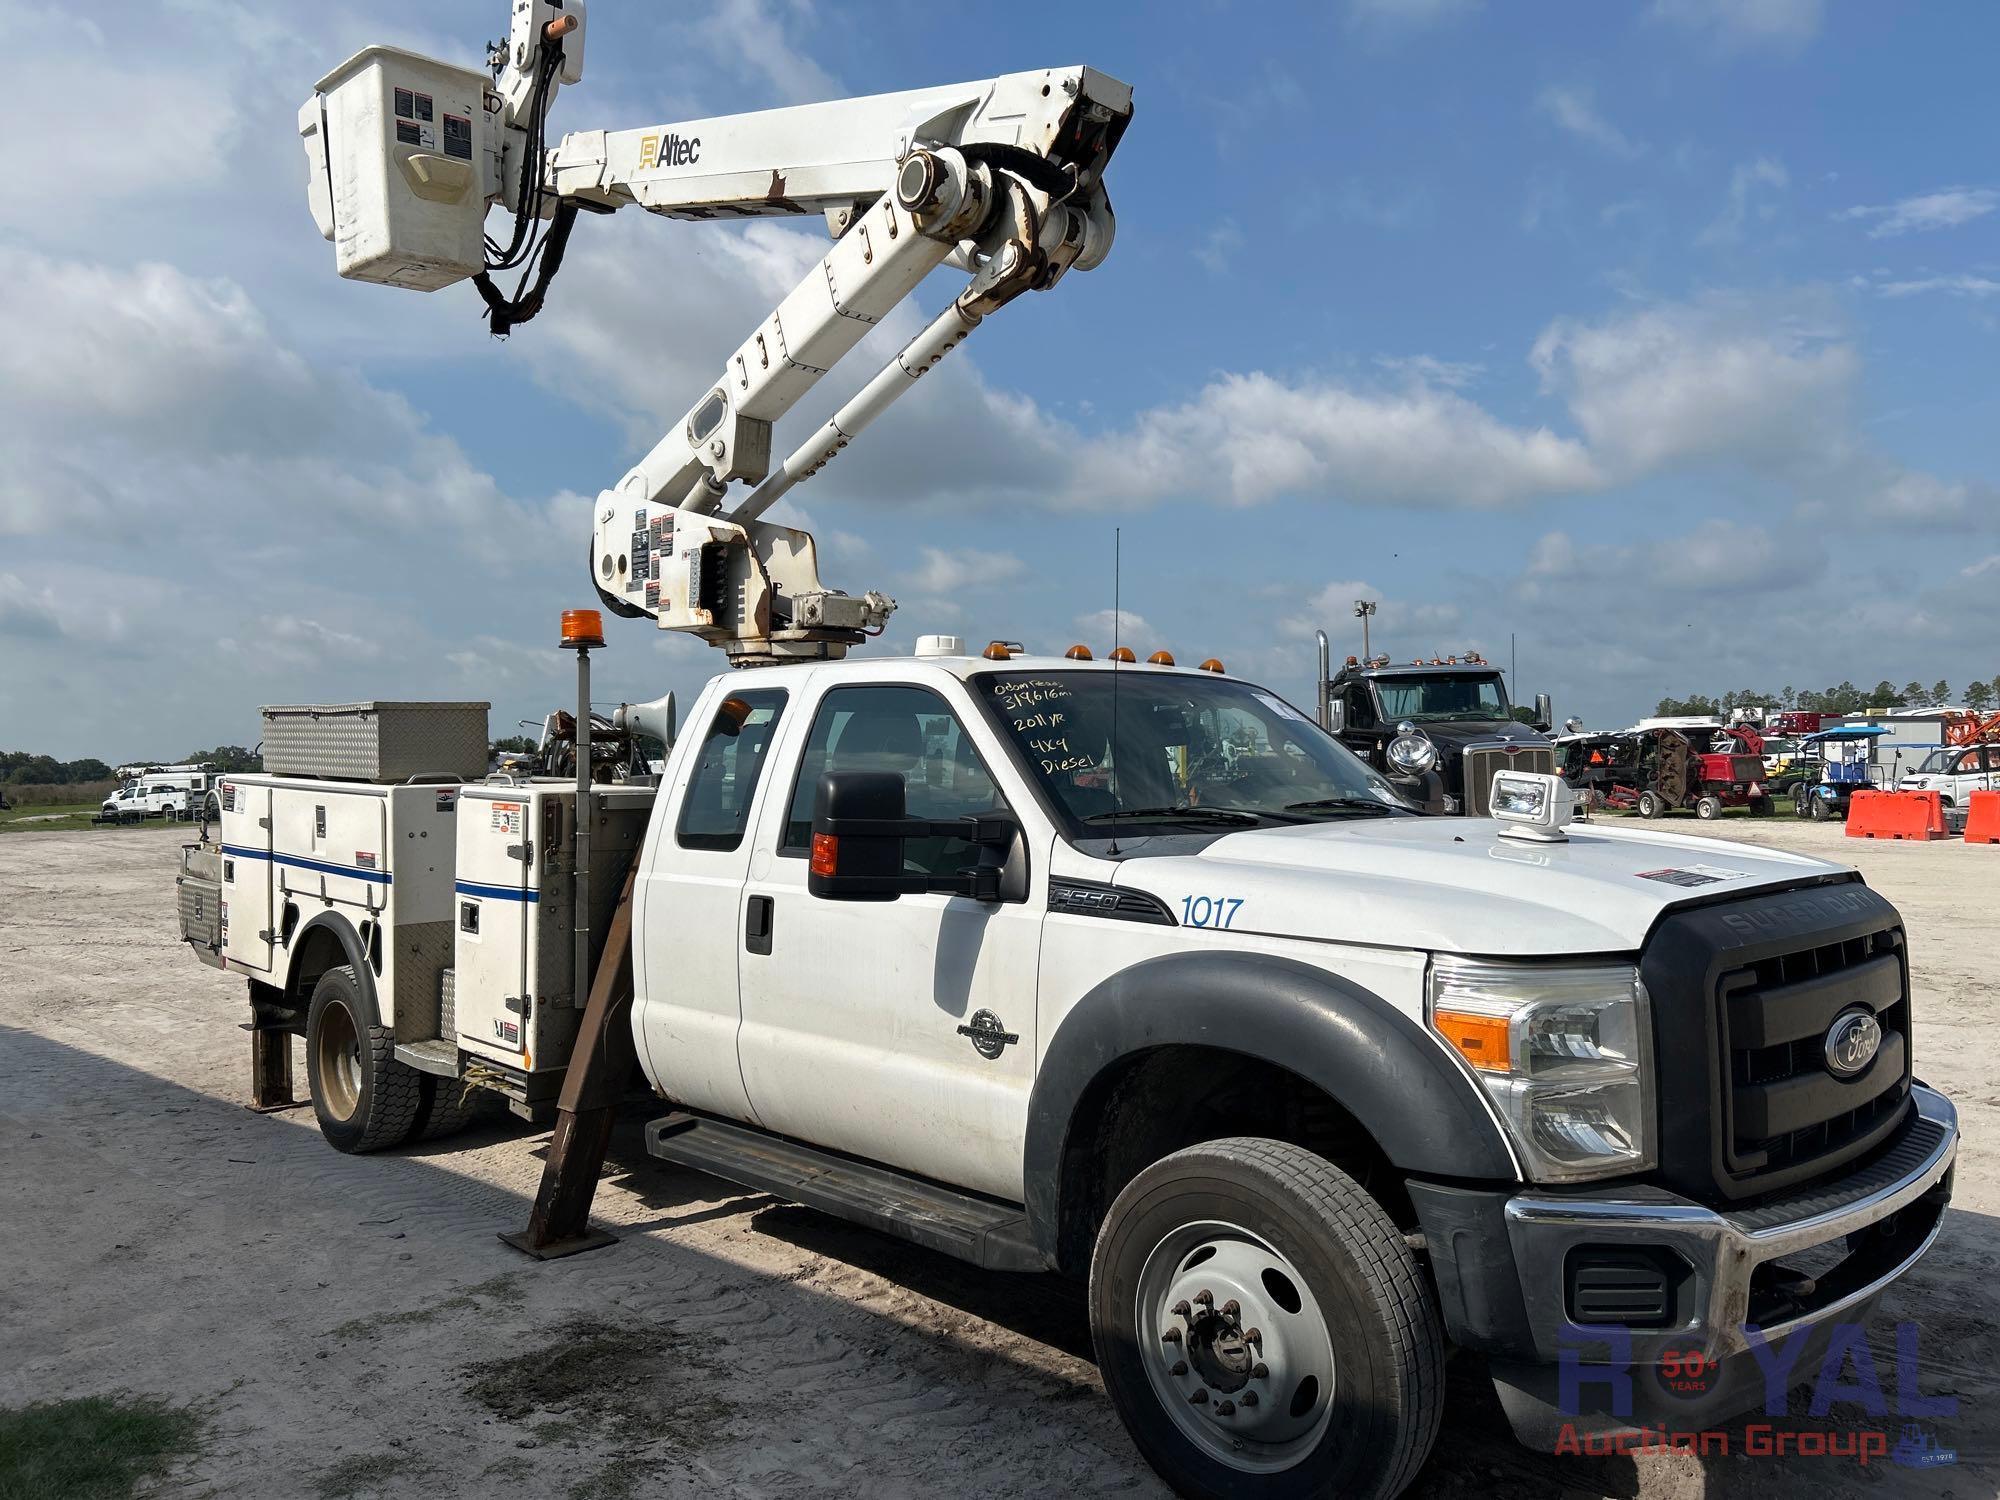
1347, 804
1221, 815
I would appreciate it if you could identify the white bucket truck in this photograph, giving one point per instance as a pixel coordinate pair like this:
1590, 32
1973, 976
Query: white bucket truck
1127, 971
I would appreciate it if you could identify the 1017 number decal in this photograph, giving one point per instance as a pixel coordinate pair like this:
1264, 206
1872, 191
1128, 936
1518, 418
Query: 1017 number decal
1210, 911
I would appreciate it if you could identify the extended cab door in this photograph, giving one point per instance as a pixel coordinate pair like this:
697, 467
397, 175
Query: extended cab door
904, 1030
687, 908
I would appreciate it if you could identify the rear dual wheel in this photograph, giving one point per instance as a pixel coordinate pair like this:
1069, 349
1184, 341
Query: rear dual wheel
364, 1099
1263, 1327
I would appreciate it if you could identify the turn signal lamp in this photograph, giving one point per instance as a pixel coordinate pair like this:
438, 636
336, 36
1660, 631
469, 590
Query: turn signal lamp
1121, 653
1161, 659
1213, 664
825, 854
582, 629
1078, 652
1480, 1040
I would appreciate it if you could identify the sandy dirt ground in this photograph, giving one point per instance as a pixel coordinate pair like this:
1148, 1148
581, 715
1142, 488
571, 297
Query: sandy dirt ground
351, 1326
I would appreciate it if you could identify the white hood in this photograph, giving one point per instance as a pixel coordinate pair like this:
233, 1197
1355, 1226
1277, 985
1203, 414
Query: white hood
1454, 885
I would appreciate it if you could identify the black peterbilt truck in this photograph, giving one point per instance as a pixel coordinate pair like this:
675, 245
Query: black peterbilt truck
1437, 728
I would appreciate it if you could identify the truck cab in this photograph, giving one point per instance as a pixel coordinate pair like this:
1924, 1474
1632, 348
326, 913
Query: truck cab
1446, 717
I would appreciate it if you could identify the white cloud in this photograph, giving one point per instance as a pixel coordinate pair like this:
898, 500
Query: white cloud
1427, 369
1720, 378
1219, 247
1947, 208
1746, 25
1746, 200
1250, 438
1574, 109
1131, 630
953, 571
753, 34
1963, 284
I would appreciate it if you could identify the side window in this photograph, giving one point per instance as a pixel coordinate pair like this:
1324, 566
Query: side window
716, 807
908, 730
1360, 710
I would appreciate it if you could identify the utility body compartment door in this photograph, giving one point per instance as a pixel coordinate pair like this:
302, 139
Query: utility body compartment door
246, 875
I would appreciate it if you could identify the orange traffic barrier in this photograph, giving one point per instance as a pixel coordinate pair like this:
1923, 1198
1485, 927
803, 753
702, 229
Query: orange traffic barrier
1895, 815
1982, 818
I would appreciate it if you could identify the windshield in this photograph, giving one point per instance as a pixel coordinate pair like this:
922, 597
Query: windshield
1433, 697
1190, 753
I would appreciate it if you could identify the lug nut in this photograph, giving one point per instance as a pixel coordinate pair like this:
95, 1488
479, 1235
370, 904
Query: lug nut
1205, 1298
1200, 1397
1255, 1336
1172, 1335
1181, 1310
1261, 1372
1249, 1398
1231, 1308
1225, 1408
1180, 1367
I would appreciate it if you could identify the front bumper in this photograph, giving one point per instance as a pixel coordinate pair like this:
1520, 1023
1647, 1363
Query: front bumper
1513, 1299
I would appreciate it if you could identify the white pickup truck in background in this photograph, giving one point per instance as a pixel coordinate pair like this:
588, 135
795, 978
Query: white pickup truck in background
1134, 973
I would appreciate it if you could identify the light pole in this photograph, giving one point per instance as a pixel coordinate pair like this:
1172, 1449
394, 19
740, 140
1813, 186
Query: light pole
1364, 608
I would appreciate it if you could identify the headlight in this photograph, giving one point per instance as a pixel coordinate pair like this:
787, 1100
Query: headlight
1410, 753
1565, 1054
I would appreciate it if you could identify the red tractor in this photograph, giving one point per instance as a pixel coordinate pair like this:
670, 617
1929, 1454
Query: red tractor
1675, 772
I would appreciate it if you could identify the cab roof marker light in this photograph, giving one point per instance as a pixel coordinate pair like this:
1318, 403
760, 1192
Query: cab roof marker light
1161, 659
1078, 652
1213, 664
1121, 653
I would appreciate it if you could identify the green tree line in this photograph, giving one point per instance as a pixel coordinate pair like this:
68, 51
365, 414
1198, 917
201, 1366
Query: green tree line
1980, 697
24, 768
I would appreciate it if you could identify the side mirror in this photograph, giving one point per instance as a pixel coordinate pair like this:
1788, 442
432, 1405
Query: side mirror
1336, 716
1545, 713
860, 821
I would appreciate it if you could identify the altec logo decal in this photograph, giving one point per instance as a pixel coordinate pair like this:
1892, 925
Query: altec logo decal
669, 150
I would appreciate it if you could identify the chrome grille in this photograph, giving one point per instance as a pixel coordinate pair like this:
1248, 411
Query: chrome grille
1481, 761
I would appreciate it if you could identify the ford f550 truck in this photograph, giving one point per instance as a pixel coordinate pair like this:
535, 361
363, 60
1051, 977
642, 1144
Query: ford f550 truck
1135, 973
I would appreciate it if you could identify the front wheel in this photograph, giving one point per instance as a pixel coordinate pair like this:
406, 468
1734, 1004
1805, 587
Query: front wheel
1708, 808
1819, 809
1650, 805
1263, 1328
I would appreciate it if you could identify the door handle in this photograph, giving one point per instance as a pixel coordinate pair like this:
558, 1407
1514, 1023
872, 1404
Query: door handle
757, 919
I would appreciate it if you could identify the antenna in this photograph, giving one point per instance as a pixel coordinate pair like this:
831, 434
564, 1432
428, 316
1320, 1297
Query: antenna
1117, 619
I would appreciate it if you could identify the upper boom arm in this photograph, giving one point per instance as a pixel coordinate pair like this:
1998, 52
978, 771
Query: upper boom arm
1003, 178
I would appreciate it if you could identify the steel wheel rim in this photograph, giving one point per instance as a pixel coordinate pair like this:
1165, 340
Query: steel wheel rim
1202, 1360
337, 1061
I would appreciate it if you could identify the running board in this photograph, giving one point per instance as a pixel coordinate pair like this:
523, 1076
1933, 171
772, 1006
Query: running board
987, 1233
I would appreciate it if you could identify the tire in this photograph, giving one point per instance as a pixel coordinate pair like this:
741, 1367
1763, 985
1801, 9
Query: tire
1800, 797
1762, 807
448, 1106
1649, 805
1708, 809
364, 1099
1351, 1397
1818, 809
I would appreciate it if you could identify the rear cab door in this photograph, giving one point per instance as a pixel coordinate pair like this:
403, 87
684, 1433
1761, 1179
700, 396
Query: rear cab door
688, 900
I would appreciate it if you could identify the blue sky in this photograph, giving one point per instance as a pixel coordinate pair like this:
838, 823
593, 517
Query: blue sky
1658, 337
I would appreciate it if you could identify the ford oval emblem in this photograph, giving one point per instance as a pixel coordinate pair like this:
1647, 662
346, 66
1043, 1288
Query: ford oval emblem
1852, 1042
